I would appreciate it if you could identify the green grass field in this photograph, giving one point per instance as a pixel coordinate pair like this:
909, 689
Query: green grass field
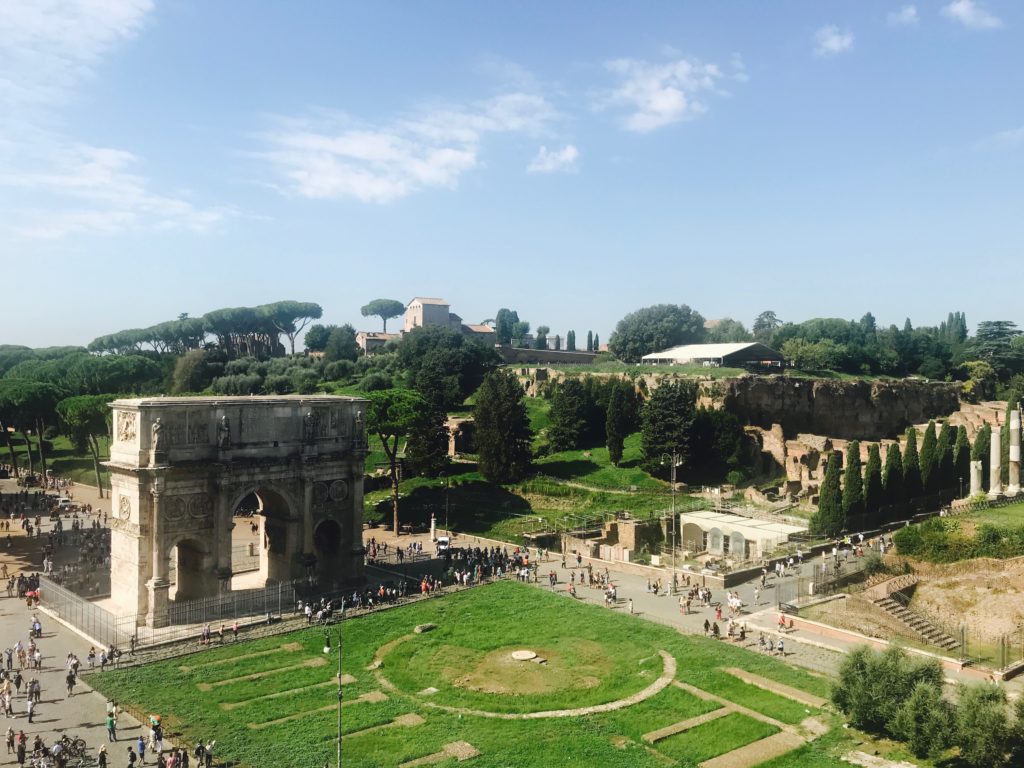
270, 702
63, 460
1010, 516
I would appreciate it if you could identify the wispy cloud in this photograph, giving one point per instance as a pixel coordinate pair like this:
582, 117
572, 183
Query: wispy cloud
656, 94
1009, 139
971, 15
831, 41
94, 190
50, 184
334, 157
554, 161
904, 17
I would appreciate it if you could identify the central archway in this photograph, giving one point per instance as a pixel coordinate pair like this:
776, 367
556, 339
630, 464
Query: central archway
266, 535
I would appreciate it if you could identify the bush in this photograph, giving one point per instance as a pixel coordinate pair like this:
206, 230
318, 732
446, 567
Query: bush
923, 721
374, 382
339, 369
277, 384
982, 725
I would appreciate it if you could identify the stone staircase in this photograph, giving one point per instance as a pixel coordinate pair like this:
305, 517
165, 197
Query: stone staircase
932, 635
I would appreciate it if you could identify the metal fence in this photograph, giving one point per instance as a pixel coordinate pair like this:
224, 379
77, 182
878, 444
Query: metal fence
811, 580
93, 620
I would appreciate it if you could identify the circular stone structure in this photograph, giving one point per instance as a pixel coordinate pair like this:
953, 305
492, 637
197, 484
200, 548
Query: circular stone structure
524, 655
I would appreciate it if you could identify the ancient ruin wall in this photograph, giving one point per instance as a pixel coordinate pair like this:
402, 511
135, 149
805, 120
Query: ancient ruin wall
861, 410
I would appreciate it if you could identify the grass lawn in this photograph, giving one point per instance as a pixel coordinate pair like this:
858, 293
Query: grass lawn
269, 702
63, 460
1010, 516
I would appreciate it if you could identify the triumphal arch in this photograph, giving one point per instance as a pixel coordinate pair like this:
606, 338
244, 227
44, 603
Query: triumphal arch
181, 467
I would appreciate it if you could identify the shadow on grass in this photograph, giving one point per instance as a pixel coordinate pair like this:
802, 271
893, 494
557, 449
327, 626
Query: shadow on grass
568, 469
472, 507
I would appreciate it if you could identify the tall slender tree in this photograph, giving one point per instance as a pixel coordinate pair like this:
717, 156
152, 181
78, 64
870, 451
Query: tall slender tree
962, 459
392, 414
667, 420
981, 451
912, 486
853, 483
944, 458
873, 493
570, 341
928, 459
590, 341
892, 475
829, 520
502, 428
616, 424
597, 343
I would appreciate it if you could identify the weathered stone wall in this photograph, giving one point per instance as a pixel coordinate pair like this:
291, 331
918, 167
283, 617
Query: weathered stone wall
861, 410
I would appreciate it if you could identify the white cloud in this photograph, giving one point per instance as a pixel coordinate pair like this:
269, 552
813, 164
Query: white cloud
333, 159
660, 94
50, 184
553, 161
92, 189
830, 41
904, 17
971, 15
1009, 139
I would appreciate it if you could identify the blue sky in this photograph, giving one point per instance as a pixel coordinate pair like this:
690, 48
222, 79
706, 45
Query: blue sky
573, 161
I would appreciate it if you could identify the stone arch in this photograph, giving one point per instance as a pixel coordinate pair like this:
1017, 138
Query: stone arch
715, 541
738, 545
280, 533
693, 537
193, 560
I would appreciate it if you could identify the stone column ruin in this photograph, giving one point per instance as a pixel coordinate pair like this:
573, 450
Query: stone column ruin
1013, 485
976, 470
995, 480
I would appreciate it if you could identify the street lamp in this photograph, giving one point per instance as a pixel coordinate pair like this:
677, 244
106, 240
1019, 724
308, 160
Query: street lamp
676, 460
327, 650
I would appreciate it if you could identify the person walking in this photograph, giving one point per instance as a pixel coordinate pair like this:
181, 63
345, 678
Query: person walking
111, 723
140, 745
101, 756
30, 707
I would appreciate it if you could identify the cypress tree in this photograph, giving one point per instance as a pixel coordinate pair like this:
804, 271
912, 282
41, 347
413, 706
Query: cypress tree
928, 460
616, 424
912, 487
570, 341
962, 459
944, 458
980, 452
829, 519
873, 493
597, 343
590, 341
853, 483
568, 416
503, 434
892, 475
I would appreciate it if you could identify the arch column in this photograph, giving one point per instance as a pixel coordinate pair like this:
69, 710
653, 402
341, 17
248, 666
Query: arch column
158, 614
224, 524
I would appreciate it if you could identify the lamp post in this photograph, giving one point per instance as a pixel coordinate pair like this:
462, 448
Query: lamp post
676, 460
447, 486
327, 649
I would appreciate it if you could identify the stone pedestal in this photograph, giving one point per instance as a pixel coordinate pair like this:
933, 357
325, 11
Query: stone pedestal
977, 467
159, 603
1013, 477
995, 476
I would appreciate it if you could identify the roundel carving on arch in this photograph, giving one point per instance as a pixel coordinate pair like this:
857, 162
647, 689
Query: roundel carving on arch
320, 492
175, 508
338, 490
199, 506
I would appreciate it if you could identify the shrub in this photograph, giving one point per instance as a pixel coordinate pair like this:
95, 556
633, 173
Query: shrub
339, 369
923, 721
373, 382
982, 726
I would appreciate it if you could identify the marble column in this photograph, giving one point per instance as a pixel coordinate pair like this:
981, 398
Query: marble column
159, 586
995, 481
977, 467
1013, 484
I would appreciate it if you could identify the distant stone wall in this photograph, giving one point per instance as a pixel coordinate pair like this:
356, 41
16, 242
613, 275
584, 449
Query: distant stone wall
851, 410
519, 356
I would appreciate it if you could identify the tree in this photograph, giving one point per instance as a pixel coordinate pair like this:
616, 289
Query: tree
570, 341
873, 493
666, 424
590, 341
653, 329
962, 458
520, 330
597, 343
85, 419
912, 485
616, 423
727, 331
426, 450
443, 365
504, 323
945, 474
830, 520
341, 344
923, 721
567, 426
316, 337
385, 309
558, 342
982, 725
892, 475
541, 340
981, 451
391, 415
503, 434
853, 484
765, 325
716, 446
929, 459
291, 317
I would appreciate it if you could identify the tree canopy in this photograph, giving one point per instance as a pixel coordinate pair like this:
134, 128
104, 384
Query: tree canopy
385, 309
502, 429
655, 328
